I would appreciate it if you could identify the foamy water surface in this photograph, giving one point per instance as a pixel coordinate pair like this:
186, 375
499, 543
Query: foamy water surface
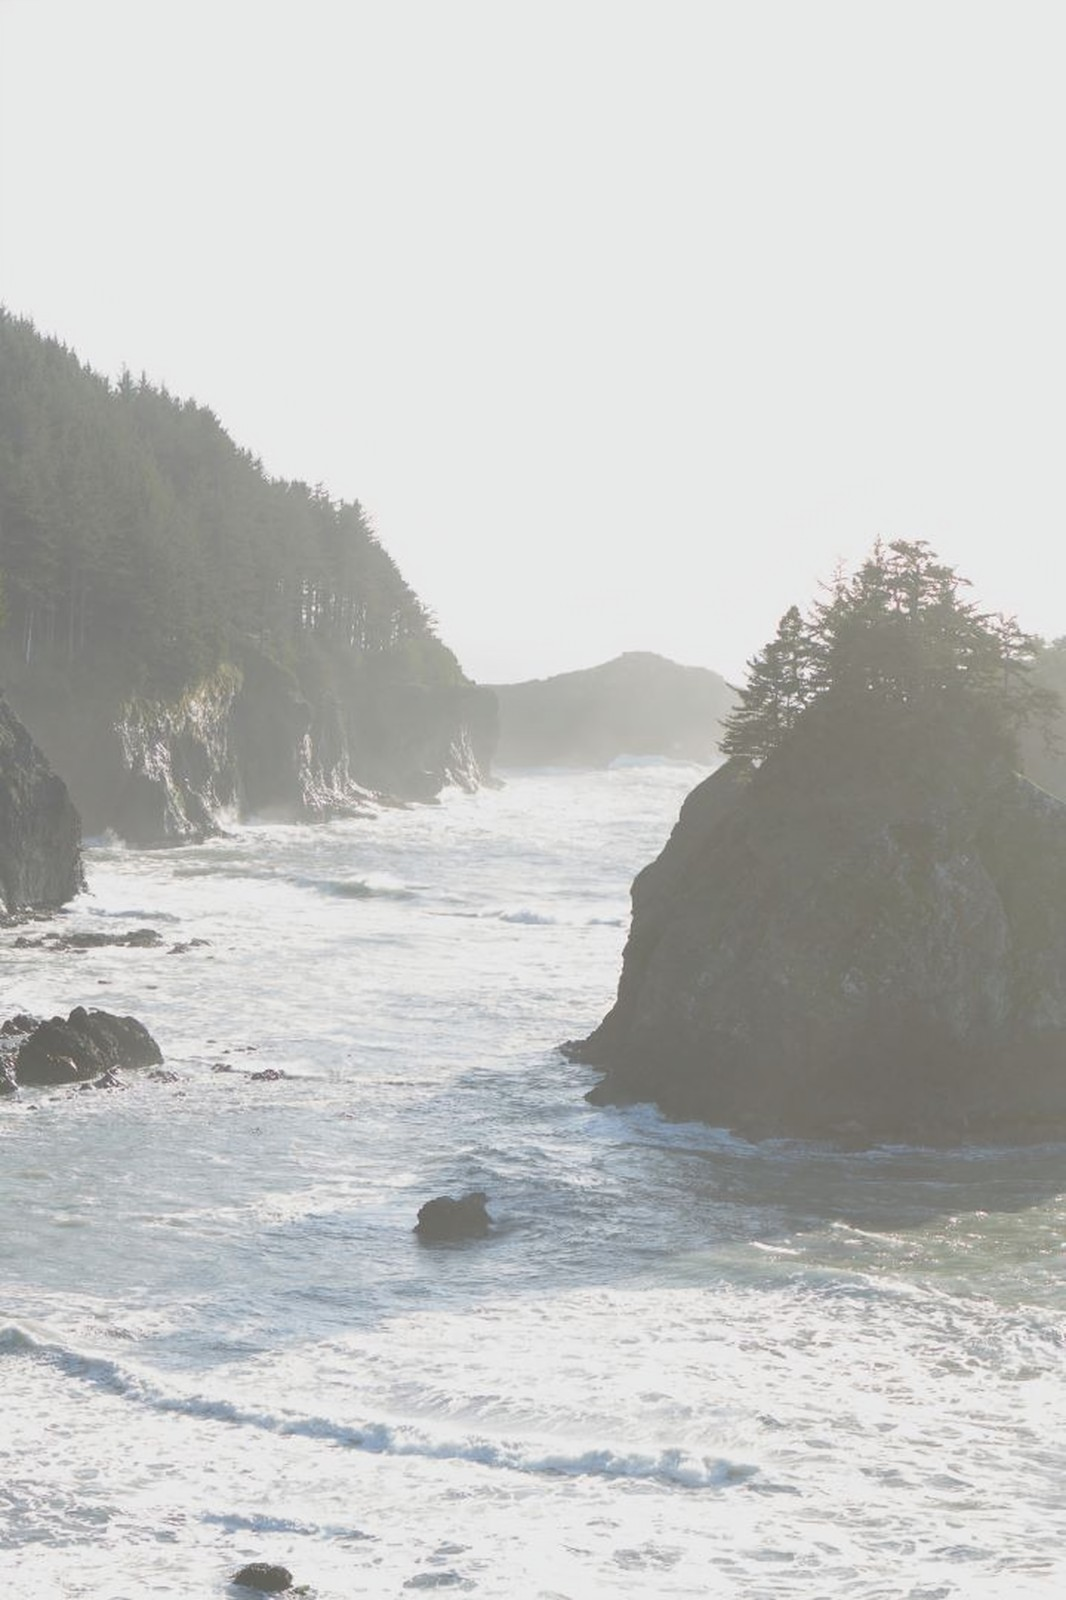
680, 1365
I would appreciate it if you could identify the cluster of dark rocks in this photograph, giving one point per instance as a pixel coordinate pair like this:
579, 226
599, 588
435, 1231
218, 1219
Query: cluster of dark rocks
88, 1048
133, 939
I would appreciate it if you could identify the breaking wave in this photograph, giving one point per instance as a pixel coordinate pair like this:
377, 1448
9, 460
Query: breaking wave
535, 1456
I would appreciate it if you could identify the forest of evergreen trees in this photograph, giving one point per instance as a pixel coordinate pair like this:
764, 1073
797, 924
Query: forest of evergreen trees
899, 635
139, 547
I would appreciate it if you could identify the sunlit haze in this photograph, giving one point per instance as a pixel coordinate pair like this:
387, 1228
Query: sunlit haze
623, 321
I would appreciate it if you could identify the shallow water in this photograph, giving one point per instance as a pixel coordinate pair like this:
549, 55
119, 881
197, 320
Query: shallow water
681, 1364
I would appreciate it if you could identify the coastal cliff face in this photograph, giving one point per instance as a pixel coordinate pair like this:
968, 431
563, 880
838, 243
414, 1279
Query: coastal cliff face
253, 740
859, 940
189, 639
40, 857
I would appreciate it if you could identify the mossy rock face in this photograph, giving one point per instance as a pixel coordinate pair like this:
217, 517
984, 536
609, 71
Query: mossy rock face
861, 935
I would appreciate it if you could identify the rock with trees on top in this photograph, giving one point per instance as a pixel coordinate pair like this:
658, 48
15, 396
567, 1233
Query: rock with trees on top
858, 925
188, 638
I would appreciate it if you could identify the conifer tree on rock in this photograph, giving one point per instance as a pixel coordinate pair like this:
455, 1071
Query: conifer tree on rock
897, 632
858, 925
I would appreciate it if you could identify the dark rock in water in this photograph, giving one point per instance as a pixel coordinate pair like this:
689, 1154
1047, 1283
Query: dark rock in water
857, 938
106, 1080
135, 939
267, 1075
445, 1218
7, 1081
40, 833
263, 1577
163, 1075
87, 1045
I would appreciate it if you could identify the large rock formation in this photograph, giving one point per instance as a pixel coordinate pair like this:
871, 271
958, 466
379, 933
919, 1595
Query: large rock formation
862, 937
256, 738
638, 704
40, 834
189, 638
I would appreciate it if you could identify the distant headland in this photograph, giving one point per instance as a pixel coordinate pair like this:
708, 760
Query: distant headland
637, 704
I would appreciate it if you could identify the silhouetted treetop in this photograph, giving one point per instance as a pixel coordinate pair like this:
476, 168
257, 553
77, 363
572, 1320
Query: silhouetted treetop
896, 632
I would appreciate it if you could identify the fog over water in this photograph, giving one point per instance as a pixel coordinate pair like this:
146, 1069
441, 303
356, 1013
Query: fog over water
623, 321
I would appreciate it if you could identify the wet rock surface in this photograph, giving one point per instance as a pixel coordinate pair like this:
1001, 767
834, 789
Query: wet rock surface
263, 1578
85, 1046
446, 1218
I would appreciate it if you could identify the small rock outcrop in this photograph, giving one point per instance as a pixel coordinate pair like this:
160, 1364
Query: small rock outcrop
264, 1578
40, 833
447, 1219
86, 1045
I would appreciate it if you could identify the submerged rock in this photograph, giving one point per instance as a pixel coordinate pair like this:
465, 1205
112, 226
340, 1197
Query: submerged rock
264, 1578
446, 1218
87, 1045
40, 833
135, 939
863, 938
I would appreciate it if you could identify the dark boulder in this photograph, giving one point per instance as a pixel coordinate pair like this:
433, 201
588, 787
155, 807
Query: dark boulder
263, 1578
87, 1045
445, 1218
638, 704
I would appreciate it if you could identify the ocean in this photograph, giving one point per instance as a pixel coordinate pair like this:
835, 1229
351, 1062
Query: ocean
680, 1364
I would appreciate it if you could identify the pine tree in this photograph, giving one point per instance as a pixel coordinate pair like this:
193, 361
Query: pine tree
779, 686
898, 631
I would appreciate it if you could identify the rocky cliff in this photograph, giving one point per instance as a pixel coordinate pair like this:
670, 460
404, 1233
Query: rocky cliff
40, 859
861, 938
188, 638
255, 738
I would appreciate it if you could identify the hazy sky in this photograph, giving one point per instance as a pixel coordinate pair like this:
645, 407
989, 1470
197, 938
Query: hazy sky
623, 320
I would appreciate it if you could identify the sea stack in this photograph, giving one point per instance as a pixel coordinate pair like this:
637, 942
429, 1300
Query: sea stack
858, 926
